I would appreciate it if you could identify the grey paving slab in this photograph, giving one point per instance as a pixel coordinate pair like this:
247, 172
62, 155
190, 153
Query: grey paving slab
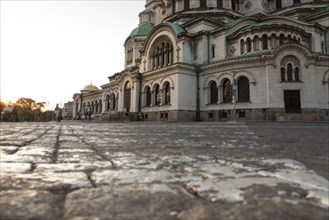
78, 170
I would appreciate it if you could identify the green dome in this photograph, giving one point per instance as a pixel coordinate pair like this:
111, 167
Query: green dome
142, 30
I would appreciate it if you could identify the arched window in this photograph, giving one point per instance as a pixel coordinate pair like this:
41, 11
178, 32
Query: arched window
264, 42
130, 51
213, 51
148, 96
77, 106
186, 4
289, 72
96, 106
283, 74
278, 4
227, 91
243, 90
115, 100
213, 92
281, 40
173, 2
233, 5
242, 46
219, 3
127, 95
167, 93
108, 102
203, 3
161, 53
100, 107
256, 43
92, 106
297, 74
157, 95
248, 44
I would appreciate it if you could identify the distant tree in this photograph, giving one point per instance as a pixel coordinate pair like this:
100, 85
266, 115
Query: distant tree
29, 110
2, 106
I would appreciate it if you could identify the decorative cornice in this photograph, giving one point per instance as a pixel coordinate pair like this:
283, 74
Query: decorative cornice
234, 61
181, 66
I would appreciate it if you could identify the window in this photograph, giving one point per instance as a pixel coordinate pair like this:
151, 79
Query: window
161, 54
296, 74
108, 102
243, 90
148, 96
289, 72
264, 41
100, 103
233, 5
227, 91
167, 93
186, 4
213, 92
248, 44
130, 54
173, 6
281, 40
256, 43
278, 4
283, 73
127, 95
219, 3
203, 3
242, 46
112, 100
296, 1
157, 95
213, 51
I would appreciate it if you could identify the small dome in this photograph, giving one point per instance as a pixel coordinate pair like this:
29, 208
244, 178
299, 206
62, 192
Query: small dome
142, 30
89, 88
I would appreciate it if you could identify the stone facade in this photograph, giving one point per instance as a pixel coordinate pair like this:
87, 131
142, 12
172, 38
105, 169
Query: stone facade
220, 60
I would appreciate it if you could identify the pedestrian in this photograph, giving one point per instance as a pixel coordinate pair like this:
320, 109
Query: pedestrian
58, 113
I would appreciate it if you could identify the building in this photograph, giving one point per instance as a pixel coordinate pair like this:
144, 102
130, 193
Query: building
218, 60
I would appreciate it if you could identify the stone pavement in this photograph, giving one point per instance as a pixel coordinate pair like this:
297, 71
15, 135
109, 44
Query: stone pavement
81, 170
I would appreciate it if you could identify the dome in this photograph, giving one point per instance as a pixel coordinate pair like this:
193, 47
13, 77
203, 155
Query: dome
142, 30
89, 88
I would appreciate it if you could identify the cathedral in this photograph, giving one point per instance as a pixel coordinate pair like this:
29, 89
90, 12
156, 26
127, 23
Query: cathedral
219, 60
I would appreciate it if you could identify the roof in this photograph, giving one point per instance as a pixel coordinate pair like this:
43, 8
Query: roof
142, 30
177, 28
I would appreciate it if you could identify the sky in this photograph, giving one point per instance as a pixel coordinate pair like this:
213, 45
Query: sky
51, 49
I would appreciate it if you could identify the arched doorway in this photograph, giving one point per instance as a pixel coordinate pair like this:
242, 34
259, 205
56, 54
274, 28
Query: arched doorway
127, 95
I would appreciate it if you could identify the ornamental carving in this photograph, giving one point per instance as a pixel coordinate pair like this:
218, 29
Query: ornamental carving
247, 6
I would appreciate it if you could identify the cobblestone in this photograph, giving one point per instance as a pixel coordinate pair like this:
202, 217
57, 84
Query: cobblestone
78, 170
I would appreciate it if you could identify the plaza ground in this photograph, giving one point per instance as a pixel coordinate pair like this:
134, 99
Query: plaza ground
152, 170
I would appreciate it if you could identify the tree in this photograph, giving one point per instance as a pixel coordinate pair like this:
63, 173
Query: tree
29, 110
2, 106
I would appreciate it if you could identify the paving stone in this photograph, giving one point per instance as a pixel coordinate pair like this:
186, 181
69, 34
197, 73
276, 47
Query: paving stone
28, 204
128, 202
